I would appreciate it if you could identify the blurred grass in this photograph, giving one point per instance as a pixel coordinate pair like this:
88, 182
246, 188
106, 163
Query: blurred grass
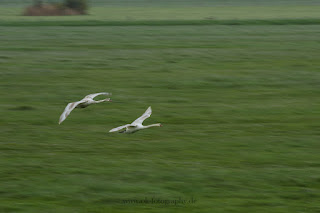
71, 23
239, 105
178, 13
124, 12
174, 3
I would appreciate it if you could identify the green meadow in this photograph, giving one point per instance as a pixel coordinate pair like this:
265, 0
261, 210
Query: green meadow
173, 10
235, 85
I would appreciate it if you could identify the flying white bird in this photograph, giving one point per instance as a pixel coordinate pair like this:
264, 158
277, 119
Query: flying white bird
86, 101
135, 125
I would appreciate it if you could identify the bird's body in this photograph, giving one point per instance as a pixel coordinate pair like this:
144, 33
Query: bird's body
135, 125
86, 101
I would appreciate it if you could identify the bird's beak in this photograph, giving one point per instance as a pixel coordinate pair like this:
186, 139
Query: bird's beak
109, 100
161, 125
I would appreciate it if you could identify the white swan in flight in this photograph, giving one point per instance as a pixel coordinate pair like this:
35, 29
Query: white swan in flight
86, 101
135, 125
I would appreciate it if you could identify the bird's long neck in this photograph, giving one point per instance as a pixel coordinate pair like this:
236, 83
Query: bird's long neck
151, 125
95, 102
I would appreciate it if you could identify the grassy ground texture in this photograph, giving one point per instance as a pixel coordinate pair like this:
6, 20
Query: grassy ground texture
239, 105
133, 11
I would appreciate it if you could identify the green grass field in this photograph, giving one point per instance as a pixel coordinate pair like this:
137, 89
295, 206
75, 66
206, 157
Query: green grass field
239, 105
173, 10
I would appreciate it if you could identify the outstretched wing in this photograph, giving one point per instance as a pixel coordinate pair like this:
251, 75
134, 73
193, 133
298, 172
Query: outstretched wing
91, 96
119, 128
68, 109
143, 117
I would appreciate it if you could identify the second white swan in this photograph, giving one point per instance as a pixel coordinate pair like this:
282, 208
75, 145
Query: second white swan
135, 125
86, 101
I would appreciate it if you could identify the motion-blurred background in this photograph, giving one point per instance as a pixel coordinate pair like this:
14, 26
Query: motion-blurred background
235, 84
